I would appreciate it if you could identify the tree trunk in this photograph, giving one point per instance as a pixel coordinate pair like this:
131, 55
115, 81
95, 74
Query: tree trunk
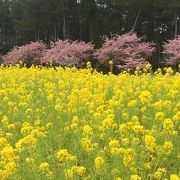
55, 32
175, 22
64, 21
136, 20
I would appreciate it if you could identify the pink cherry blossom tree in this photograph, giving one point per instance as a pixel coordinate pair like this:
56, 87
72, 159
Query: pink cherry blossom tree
172, 50
68, 53
28, 54
126, 51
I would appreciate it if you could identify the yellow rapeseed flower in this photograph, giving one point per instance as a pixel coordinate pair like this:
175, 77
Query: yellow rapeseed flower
44, 166
99, 162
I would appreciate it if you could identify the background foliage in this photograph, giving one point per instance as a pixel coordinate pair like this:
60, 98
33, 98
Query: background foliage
23, 21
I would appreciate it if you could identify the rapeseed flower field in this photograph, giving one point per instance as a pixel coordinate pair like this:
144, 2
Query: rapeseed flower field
78, 124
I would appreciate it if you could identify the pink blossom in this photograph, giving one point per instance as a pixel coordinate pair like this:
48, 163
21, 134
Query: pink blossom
29, 53
127, 51
172, 50
68, 53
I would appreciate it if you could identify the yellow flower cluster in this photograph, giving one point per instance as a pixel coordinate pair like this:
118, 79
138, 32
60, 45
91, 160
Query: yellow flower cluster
80, 124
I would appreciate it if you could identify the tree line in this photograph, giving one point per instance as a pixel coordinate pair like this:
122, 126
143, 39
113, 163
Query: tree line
22, 21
